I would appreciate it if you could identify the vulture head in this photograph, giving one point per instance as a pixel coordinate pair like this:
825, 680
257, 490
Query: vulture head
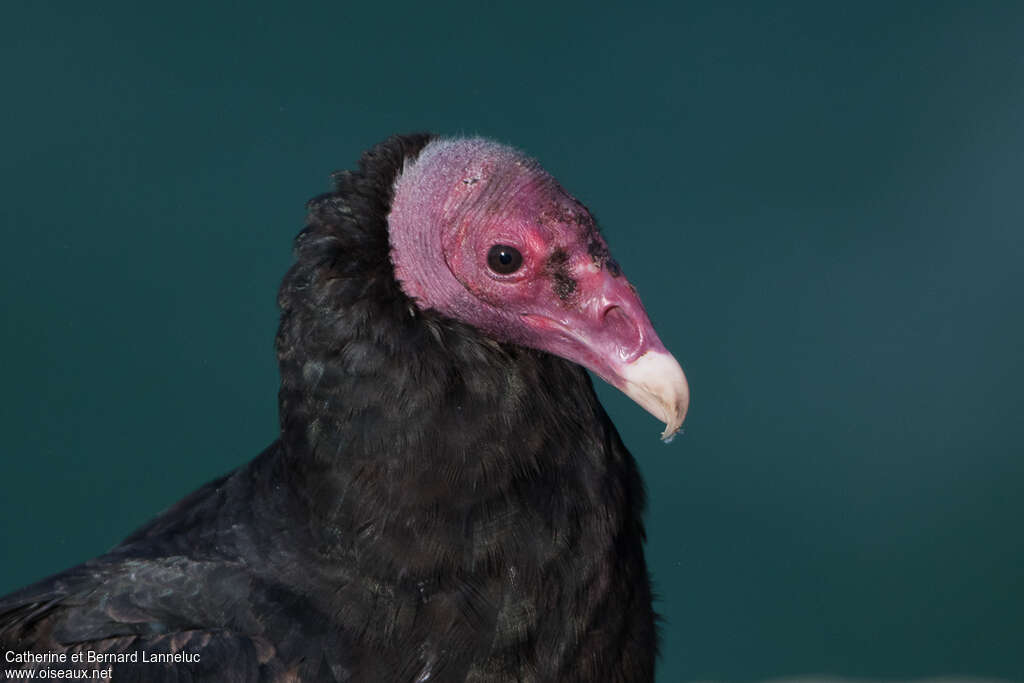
481, 233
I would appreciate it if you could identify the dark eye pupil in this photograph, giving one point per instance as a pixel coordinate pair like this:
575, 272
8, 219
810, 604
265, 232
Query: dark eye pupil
504, 259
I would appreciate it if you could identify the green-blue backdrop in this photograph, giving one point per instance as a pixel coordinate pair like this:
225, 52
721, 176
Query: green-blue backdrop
822, 205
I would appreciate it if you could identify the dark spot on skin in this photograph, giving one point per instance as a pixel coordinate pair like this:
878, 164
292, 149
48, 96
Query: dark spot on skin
598, 251
579, 216
559, 212
564, 285
558, 258
602, 257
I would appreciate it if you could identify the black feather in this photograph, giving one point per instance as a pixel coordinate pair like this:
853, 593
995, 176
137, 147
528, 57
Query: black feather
439, 506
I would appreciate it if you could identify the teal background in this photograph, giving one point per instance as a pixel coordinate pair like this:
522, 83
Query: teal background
820, 203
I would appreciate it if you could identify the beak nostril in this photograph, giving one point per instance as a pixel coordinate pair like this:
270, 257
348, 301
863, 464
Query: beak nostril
624, 330
611, 310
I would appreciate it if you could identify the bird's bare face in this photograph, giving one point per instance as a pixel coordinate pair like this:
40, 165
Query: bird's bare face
517, 257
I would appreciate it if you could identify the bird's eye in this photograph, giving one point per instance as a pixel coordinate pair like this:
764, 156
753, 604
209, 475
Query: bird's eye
504, 259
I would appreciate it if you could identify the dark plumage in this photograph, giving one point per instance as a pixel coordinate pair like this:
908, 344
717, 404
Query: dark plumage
441, 505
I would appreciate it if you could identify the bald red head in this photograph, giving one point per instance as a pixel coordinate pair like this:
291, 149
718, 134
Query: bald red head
481, 233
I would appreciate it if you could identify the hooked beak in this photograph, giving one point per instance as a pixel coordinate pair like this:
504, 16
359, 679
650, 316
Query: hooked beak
657, 383
608, 332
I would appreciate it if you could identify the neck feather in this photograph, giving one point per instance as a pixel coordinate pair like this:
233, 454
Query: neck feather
431, 440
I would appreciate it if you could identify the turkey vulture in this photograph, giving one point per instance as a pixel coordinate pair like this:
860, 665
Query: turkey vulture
447, 500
